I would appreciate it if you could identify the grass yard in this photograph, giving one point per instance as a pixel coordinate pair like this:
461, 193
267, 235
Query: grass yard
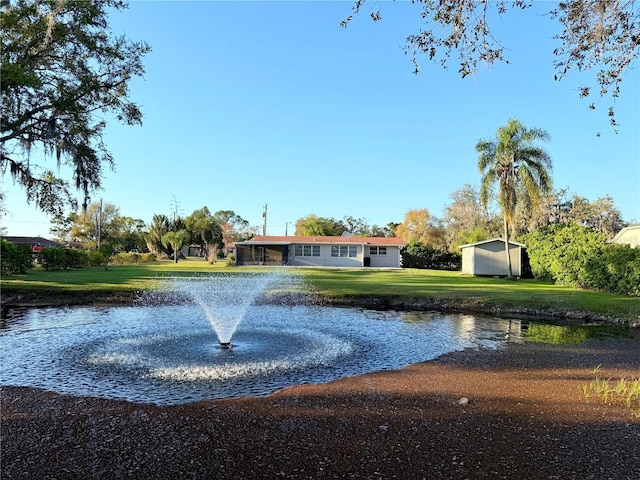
467, 290
336, 285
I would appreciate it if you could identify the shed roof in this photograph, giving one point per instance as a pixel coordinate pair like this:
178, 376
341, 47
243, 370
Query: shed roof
501, 240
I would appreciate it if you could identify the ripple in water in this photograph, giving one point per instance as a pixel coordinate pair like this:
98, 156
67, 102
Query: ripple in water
170, 355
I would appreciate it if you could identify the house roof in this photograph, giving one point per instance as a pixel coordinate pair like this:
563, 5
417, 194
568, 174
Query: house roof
30, 240
501, 240
329, 240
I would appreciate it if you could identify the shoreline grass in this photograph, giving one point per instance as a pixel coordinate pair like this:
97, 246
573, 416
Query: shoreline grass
390, 287
623, 391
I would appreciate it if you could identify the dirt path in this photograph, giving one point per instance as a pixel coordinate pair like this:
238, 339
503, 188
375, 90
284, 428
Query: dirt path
525, 417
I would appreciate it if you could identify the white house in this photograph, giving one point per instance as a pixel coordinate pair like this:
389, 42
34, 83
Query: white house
488, 257
320, 251
628, 236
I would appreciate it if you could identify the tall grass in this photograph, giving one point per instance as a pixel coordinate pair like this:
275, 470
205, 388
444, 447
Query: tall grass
623, 391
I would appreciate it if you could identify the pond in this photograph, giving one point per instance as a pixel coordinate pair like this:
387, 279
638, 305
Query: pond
170, 355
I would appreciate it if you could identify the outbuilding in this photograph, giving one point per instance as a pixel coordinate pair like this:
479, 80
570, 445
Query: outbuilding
488, 258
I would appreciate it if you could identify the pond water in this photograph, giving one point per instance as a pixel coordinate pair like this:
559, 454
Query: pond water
170, 355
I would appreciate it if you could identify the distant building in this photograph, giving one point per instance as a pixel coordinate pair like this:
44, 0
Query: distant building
488, 258
628, 236
320, 251
37, 243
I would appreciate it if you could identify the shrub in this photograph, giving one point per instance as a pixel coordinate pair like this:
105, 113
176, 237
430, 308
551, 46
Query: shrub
56, 258
616, 270
131, 258
52, 258
418, 255
580, 257
124, 258
16, 258
93, 258
559, 253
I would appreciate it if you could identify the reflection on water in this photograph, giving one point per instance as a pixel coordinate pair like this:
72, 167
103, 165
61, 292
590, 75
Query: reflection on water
559, 334
170, 354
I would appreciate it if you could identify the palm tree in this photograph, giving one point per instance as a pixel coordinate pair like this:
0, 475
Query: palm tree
519, 167
159, 226
175, 240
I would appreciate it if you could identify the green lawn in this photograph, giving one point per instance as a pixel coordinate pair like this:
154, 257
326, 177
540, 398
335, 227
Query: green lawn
467, 290
338, 285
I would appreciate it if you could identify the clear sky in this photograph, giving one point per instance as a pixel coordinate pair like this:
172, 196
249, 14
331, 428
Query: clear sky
254, 103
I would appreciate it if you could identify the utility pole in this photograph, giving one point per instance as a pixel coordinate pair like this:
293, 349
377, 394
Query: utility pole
286, 229
264, 225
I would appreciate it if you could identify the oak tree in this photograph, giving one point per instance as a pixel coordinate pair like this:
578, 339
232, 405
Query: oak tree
600, 36
63, 74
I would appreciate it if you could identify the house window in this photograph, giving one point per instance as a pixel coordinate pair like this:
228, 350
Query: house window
307, 251
378, 250
344, 251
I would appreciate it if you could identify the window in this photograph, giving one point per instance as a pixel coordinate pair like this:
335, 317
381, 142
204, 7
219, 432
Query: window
378, 250
344, 251
307, 251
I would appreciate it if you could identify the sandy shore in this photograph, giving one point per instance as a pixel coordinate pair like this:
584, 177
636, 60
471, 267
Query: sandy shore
526, 418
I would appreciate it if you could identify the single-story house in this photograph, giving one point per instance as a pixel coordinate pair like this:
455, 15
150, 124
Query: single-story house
36, 243
628, 236
488, 258
320, 251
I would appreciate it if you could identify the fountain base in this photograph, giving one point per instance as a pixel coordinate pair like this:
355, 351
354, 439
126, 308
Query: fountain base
226, 345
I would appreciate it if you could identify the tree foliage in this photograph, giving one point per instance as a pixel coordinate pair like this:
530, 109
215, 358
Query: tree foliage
558, 207
577, 256
160, 225
418, 255
63, 72
465, 220
418, 225
313, 225
519, 167
601, 214
55, 258
98, 223
16, 258
206, 231
559, 253
602, 36
175, 241
233, 227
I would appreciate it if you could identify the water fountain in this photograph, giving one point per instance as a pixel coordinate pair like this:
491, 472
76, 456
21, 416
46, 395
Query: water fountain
166, 351
224, 299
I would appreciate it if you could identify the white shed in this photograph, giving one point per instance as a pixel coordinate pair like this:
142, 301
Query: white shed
488, 258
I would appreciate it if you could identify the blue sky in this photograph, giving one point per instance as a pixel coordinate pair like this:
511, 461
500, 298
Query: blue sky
254, 103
